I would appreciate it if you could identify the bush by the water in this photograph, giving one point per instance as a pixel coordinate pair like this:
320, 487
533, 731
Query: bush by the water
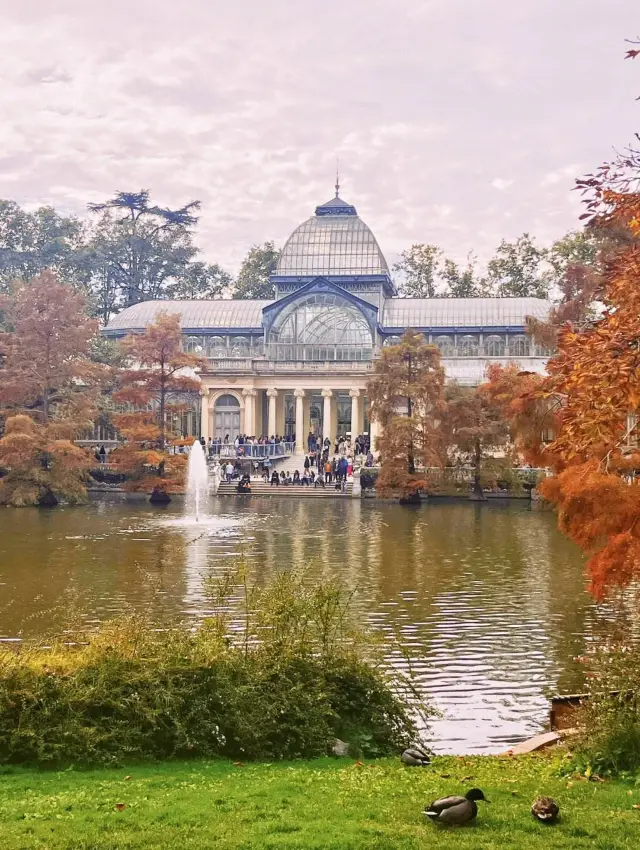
281, 678
610, 718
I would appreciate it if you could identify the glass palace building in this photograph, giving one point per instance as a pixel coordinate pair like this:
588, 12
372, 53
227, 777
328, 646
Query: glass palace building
301, 362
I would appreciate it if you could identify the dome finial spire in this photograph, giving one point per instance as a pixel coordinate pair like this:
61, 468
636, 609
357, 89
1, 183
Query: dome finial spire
337, 177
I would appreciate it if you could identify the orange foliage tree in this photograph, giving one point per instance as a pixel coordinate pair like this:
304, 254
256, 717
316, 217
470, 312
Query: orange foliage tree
596, 373
48, 392
531, 420
406, 394
158, 379
476, 427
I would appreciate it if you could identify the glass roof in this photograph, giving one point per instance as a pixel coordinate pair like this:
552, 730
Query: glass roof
193, 314
333, 242
462, 312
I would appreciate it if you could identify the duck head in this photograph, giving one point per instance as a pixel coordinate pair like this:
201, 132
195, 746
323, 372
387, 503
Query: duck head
476, 794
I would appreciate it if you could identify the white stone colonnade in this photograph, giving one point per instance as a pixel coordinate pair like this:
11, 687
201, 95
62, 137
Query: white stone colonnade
261, 406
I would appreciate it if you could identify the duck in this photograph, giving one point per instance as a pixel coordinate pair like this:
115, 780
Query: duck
545, 809
455, 811
415, 757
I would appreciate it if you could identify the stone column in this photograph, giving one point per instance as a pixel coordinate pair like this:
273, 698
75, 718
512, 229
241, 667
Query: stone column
204, 414
249, 411
299, 397
272, 395
374, 432
326, 415
355, 413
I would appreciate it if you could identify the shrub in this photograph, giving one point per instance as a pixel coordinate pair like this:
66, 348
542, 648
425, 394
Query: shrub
610, 718
295, 676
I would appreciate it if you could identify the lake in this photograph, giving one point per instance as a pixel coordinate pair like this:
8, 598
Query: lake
489, 599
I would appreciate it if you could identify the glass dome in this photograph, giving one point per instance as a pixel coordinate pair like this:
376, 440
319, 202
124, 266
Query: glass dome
333, 242
321, 326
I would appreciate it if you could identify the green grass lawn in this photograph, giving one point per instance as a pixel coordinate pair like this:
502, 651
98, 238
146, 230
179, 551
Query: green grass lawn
322, 804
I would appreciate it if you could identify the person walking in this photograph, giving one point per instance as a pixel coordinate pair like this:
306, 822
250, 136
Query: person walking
307, 463
229, 471
327, 471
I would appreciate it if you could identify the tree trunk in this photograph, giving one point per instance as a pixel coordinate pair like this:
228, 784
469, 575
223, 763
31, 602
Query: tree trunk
162, 412
477, 493
47, 499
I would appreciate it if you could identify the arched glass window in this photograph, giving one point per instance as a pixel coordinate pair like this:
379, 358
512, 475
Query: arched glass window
494, 346
193, 344
321, 326
446, 346
216, 346
468, 346
520, 346
227, 400
226, 421
391, 340
240, 346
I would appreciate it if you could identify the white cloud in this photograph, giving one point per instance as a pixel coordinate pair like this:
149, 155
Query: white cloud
246, 106
501, 184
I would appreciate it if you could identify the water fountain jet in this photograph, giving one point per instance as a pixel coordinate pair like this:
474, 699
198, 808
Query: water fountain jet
197, 495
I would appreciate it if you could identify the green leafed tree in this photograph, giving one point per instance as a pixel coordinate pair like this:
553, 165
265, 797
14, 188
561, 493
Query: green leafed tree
201, 281
519, 269
253, 278
32, 241
419, 268
464, 281
142, 249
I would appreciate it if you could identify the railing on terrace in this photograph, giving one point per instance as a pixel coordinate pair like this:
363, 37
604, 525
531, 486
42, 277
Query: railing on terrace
270, 366
271, 450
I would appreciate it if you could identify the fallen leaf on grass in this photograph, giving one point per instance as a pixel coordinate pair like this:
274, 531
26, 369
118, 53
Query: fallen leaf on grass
126, 779
238, 764
120, 806
636, 806
445, 776
359, 764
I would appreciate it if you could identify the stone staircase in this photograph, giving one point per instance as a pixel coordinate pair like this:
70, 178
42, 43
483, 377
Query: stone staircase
259, 488
288, 464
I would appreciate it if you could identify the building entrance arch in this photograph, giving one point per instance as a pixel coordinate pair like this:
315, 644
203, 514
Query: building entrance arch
226, 417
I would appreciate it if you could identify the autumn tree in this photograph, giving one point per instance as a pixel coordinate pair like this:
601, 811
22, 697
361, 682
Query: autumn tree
40, 468
47, 371
476, 430
596, 373
158, 379
407, 399
253, 278
532, 421
48, 391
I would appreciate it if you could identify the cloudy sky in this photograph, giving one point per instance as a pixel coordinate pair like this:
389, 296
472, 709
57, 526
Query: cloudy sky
457, 122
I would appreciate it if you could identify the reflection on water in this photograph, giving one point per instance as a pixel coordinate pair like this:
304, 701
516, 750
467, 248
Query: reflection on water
490, 600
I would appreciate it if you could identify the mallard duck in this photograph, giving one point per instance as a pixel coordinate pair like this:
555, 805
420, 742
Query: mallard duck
455, 810
545, 809
415, 757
